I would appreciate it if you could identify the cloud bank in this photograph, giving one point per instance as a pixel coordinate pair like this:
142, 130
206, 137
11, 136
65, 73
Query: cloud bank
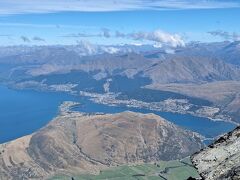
158, 36
44, 6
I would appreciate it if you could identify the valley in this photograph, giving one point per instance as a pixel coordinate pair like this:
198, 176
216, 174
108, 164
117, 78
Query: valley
171, 170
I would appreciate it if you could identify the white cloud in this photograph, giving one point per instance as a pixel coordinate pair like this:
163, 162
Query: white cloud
36, 38
110, 50
44, 6
25, 39
106, 33
157, 36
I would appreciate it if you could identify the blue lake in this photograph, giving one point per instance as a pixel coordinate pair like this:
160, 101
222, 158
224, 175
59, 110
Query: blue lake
23, 112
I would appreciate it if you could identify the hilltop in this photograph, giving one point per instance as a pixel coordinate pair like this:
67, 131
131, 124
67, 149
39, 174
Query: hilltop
75, 142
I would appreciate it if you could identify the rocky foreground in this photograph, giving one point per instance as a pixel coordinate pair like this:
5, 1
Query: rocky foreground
75, 142
221, 160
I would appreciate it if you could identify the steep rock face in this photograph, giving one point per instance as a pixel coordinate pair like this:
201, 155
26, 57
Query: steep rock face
220, 160
74, 142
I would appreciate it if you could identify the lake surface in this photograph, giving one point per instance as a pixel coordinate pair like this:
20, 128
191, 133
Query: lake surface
22, 112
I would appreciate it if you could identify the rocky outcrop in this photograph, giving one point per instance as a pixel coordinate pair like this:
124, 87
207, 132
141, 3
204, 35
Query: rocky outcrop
76, 142
221, 160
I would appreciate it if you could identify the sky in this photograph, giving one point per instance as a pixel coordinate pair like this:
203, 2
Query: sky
171, 22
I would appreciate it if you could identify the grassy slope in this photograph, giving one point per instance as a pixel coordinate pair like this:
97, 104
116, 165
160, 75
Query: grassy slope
171, 170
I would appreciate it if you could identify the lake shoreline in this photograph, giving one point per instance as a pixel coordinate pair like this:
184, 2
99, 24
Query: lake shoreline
206, 127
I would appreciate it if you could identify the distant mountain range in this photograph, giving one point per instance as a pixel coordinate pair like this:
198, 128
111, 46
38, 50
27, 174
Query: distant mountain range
227, 51
194, 63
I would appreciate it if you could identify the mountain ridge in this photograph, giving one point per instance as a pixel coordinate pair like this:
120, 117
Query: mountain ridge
75, 142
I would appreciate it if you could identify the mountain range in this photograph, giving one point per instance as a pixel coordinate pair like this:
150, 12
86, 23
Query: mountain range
202, 66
